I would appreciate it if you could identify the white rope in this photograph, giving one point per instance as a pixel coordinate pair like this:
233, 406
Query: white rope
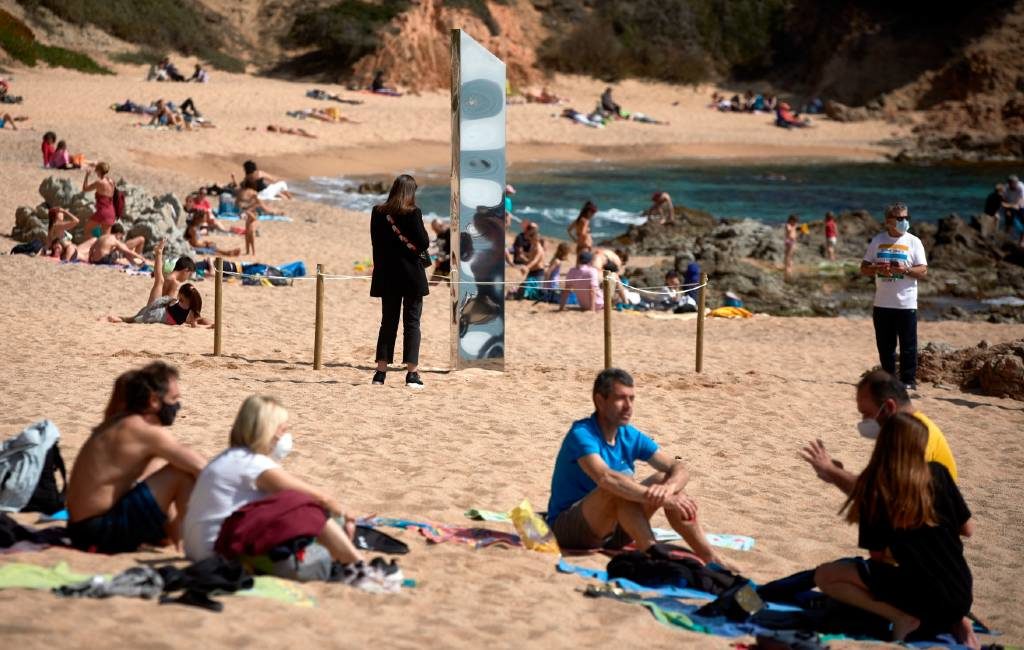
556, 283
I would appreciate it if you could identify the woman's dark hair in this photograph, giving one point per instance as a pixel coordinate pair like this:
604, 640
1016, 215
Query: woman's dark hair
50, 136
829, 215
249, 166
792, 218
185, 263
51, 216
62, 145
133, 389
195, 299
589, 209
402, 197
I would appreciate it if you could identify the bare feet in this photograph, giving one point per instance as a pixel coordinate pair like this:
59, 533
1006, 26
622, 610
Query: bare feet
725, 564
964, 633
904, 626
114, 319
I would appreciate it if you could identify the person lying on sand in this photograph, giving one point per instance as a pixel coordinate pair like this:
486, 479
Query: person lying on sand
183, 307
131, 481
249, 470
596, 499
184, 267
7, 120
114, 250
58, 241
331, 114
544, 97
286, 130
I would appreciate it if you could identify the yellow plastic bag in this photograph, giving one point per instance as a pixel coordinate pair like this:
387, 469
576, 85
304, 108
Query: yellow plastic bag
532, 529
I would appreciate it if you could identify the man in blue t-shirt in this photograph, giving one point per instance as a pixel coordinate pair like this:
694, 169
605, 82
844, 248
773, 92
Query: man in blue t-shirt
596, 499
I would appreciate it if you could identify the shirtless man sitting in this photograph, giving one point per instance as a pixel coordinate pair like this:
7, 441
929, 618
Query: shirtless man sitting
132, 479
596, 499
113, 249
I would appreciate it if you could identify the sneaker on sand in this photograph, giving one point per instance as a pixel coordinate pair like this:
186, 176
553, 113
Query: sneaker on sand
379, 377
412, 380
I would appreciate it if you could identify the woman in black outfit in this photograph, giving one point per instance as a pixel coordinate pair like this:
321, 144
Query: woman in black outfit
399, 280
911, 517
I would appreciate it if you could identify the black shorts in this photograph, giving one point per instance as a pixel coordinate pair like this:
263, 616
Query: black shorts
891, 584
133, 521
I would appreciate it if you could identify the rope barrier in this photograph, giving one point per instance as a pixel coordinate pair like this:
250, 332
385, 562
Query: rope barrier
542, 283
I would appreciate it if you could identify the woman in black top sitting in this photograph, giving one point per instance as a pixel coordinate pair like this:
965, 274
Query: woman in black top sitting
911, 517
398, 237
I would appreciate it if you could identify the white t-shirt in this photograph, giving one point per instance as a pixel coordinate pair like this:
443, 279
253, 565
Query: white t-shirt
896, 292
224, 486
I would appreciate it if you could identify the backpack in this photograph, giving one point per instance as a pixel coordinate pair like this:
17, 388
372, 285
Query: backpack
28, 248
29, 463
118, 201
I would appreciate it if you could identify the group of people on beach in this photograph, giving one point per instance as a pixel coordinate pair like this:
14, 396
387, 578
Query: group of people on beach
133, 483
1006, 202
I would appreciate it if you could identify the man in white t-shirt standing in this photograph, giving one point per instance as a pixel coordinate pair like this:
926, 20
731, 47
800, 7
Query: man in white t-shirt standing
896, 260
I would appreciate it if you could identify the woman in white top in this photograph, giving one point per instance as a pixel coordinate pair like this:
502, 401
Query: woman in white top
248, 471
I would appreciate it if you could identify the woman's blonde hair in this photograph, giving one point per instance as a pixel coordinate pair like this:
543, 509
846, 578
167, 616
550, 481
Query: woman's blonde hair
257, 422
102, 168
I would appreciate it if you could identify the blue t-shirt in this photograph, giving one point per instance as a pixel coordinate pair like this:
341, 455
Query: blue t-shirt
569, 483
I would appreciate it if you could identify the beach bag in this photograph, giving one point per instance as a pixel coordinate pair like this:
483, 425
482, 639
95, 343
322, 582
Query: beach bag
294, 269
29, 463
118, 201
422, 256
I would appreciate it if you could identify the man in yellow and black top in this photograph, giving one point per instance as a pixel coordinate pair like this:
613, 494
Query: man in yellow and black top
879, 396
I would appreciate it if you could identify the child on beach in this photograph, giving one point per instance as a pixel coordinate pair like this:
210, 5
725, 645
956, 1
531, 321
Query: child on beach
60, 159
250, 232
911, 517
48, 146
792, 232
831, 236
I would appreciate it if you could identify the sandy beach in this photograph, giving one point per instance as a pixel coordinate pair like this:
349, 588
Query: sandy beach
472, 438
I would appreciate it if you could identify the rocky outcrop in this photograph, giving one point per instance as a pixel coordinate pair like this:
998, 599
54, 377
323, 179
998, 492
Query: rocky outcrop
967, 262
152, 217
996, 370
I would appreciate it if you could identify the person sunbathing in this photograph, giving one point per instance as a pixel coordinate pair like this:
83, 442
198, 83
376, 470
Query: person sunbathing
330, 114
198, 207
249, 470
164, 116
267, 187
7, 120
596, 500
544, 97
114, 250
183, 269
132, 478
289, 130
661, 209
183, 307
785, 118
58, 243
207, 246
379, 86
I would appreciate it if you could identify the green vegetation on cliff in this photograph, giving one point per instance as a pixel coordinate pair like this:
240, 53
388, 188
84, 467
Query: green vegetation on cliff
20, 43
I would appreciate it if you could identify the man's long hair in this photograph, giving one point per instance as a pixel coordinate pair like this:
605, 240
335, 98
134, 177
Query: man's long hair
133, 390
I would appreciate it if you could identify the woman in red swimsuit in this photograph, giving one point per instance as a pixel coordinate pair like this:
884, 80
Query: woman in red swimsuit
104, 216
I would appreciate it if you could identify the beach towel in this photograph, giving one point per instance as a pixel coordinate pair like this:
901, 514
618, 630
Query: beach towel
730, 312
233, 216
487, 515
475, 537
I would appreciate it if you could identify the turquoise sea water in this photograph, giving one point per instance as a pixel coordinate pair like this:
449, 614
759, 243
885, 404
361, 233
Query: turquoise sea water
552, 195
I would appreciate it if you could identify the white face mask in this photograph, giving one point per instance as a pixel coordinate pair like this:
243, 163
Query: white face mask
902, 225
870, 428
282, 448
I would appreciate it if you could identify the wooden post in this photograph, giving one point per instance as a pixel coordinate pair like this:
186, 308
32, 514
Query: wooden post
318, 340
700, 322
218, 305
609, 298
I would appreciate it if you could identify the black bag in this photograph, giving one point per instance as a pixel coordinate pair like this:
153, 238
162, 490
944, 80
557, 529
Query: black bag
737, 603
47, 499
425, 260
28, 248
660, 566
